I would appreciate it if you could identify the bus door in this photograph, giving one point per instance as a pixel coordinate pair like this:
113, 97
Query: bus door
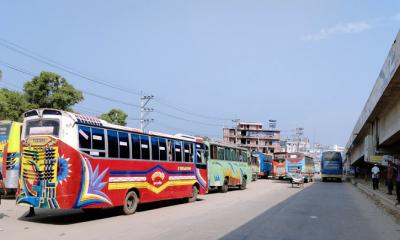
201, 166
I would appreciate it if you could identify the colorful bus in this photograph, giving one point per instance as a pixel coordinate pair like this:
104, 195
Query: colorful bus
279, 167
10, 142
265, 168
331, 166
75, 161
227, 166
300, 163
255, 166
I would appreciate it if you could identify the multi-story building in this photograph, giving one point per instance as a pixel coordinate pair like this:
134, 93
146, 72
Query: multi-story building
252, 136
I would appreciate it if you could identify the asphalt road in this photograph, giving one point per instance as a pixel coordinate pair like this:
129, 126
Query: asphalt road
266, 210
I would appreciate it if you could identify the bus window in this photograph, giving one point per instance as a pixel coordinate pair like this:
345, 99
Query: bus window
42, 127
214, 152
199, 153
4, 130
112, 144
98, 142
144, 145
155, 154
187, 151
178, 151
170, 146
85, 140
221, 153
163, 149
228, 154
233, 155
123, 145
135, 146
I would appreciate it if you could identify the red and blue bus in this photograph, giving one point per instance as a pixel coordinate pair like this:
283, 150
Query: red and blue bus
74, 161
331, 166
279, 165
300, 163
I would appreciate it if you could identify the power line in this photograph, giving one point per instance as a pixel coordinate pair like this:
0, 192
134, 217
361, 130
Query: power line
121, 102
30, 54
33, 55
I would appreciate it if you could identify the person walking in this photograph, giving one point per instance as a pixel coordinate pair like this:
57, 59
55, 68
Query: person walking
375, 177
389, 177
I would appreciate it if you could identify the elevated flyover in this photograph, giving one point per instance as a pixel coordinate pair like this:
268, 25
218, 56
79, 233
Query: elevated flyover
376, 135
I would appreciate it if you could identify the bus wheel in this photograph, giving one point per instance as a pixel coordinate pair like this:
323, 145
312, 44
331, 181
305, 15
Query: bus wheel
323, 179
225, 187
243, 185
130, 203
195, 192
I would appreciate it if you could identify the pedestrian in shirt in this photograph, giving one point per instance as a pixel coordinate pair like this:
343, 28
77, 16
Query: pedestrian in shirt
375, 177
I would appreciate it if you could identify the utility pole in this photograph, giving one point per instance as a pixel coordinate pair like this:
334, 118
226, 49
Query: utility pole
144, 111
299, 133
236, 121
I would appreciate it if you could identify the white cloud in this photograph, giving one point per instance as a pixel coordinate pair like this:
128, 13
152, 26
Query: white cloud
353, 27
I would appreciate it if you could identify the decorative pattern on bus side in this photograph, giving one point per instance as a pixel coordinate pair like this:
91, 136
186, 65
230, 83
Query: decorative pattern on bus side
3, 143
91, 185
155, 179
11, 161
39, 176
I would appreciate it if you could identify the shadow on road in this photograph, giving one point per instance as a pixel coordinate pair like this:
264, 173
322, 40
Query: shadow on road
74, 216
320, 211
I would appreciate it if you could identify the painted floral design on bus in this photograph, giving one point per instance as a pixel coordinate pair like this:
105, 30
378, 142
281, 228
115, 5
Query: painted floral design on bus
91, 186
63, 171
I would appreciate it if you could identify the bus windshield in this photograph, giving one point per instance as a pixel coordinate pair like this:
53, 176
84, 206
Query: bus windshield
4, 130
42, 127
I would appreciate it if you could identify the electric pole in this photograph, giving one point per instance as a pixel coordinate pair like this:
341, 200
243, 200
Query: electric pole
145, 111
299, 133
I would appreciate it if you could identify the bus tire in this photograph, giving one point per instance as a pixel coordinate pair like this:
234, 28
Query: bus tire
323, 179
244, 183
195, 193
225, 186
130, 203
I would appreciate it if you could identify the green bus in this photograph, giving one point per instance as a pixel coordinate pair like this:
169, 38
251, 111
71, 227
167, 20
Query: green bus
227, 166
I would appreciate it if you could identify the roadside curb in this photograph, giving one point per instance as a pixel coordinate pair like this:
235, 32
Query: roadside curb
388, 205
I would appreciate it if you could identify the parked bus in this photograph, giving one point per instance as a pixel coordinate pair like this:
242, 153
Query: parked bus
227, 166
301, 163
255, 166
279, 167
10, 140
331, 166
265, 168
74, 161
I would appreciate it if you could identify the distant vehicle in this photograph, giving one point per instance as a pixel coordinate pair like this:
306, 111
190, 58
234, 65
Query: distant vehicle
265, 168
227, 166
10, 141
301, 163
331, 166
279, 167
75, 161
255, 162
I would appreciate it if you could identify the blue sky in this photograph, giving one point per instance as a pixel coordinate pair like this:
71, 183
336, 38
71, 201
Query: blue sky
308, 64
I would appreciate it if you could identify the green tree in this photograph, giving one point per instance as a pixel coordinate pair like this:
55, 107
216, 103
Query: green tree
115, 116
12, 105
50, 90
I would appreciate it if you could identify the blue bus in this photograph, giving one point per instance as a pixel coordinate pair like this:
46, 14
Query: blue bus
331, 166
265, 165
